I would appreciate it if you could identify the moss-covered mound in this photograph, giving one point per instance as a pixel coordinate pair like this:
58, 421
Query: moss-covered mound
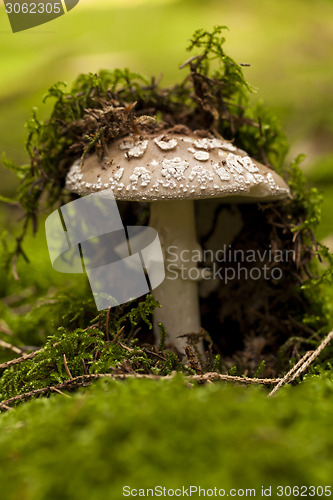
251, 324
146, 434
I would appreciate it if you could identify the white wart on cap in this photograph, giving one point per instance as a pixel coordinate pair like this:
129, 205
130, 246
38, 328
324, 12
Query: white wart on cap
177, 166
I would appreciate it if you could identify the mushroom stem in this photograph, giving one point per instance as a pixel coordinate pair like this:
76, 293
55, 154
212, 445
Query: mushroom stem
178, 294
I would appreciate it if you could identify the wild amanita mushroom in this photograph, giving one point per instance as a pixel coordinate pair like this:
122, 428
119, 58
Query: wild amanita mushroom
171, 170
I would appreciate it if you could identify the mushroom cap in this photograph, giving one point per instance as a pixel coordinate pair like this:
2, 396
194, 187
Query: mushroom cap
176, 166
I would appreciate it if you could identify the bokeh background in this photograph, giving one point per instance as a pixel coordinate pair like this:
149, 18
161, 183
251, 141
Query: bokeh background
289, 46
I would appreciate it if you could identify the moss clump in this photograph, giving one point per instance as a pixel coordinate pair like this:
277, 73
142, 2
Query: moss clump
108, 346
146, 433
213, 95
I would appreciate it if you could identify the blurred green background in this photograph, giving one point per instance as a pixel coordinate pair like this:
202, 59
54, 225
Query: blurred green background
289, 46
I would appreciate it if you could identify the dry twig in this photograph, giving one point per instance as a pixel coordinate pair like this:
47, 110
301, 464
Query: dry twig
59, 392
85, 380
66, 367
11, 347
284, 380
306, 362
3, 406
16, 361
107, 324
117, 335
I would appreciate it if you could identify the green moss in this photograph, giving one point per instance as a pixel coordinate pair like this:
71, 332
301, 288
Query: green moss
96, 349
148, 433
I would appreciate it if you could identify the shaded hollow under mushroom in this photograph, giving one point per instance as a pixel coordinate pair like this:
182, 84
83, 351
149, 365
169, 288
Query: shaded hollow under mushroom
251, 321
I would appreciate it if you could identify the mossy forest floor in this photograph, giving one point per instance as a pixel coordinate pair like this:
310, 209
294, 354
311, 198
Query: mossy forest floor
145, 433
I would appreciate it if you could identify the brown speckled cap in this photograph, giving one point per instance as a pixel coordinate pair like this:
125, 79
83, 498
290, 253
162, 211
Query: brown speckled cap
177, 166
